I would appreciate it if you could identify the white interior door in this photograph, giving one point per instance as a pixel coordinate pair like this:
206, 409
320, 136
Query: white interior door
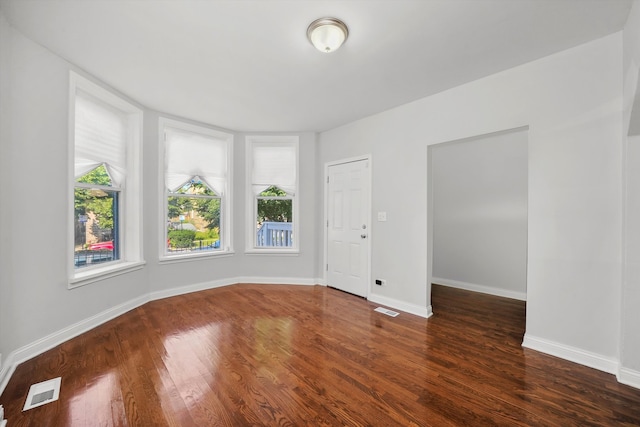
348, 234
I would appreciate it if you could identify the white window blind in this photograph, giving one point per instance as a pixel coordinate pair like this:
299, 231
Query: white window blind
274, 165
190, 155
100, 137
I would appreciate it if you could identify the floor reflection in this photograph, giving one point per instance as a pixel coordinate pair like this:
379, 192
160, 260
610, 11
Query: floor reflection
100, 403
191, 360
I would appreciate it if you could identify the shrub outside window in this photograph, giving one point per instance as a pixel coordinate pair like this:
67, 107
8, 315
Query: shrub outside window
193, 219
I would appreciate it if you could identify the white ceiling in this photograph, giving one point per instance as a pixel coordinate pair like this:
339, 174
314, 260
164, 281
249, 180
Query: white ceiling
246, 65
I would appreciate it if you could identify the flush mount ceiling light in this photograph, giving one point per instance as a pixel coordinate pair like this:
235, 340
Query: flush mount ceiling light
327, 34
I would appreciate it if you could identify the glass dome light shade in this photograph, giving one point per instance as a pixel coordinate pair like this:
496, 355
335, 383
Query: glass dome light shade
327, 34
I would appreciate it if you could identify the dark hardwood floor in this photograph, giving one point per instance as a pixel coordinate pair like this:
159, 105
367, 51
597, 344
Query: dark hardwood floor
296, 356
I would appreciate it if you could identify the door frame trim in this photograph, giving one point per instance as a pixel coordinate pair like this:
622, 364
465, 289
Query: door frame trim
325, 222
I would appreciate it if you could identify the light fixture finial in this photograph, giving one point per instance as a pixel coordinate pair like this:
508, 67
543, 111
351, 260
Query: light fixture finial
327, 34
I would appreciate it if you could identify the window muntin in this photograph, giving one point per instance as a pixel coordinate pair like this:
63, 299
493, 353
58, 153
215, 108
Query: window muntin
273, 182
196, 199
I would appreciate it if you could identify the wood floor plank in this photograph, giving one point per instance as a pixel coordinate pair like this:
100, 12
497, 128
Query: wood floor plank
284, 355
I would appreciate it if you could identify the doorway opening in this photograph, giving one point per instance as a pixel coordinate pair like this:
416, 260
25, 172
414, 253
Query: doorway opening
478, 213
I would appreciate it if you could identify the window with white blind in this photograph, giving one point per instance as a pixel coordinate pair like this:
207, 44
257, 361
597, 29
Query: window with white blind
272, 178
196, 196
105, 144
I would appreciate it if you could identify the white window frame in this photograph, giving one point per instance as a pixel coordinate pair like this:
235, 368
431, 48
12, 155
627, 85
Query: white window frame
226, 199
130, 193
251, 198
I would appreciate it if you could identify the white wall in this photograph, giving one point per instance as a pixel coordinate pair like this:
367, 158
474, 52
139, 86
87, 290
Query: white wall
630, 346
630, 319
631, 68
571, 102
480, 213
36, 307
36, 301
5, 179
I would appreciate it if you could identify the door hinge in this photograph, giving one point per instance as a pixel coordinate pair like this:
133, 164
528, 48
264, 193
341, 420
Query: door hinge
327, 223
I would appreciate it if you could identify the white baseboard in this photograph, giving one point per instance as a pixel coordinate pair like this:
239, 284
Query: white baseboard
572, 354
43, 344
13, 359
6, 371
522, 296
181, 290
401, 305
277, 280
629, 377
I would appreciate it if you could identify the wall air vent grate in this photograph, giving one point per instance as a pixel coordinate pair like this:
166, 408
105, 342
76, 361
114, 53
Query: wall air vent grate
43, 393
386, 311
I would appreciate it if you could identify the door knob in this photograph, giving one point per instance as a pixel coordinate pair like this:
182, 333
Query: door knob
363, 236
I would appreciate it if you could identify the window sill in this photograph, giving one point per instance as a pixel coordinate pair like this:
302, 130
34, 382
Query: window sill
164, 259
273, 252
102, 273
